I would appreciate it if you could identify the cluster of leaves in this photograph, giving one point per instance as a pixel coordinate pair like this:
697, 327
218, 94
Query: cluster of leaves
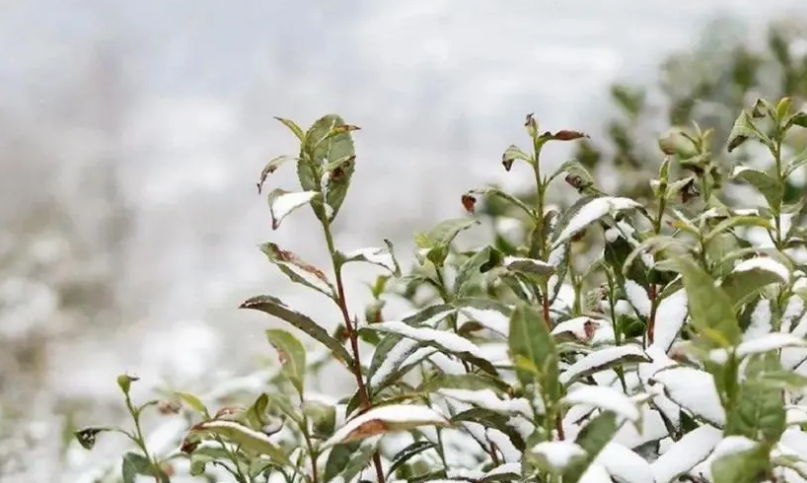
673, 347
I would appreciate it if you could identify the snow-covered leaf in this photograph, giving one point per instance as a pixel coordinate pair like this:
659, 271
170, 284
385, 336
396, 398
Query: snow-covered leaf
282, 202
588, 213
383, 257
586, 329
670, 316
298, 270
694, 390
605, 398
624, 465
686, 453
742, 285
488, 399
557, 456
602, 359
529, 266
438, 240
637, 296
385, 419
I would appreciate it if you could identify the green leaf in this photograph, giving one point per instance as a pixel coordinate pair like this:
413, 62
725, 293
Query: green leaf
338, 459
298, 270
758, 412
736, 221
408, 453
492, 419
276, 307
87, 437
194, 403
491, 191
529, 266
592, 438
797, 162
749, 466
743, 130
293, 127
472, 382
513, 153
797, 119
323, 417
249, 440
530, 338
204, 455
742, 286
439, 239
291, 353
383, 257
134, 464
282, 203
482, 261
271, 167
710, 307
769, 187
328, 140
576, 175
125, 382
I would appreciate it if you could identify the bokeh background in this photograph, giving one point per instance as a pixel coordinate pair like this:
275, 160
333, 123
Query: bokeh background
132, 135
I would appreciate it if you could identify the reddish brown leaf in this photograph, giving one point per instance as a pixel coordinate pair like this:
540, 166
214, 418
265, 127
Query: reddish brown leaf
370, 428
568, 135
469, 202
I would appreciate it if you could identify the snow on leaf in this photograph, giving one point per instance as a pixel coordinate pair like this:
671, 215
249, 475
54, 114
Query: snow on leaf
591, 212
507, 469
638, 297
760, 321
670, 316
447, 340
297, 269
595, 473
686, 453
558, 455
487, 399
528, 265
392, 360
239, 434
764, 263
624, 465
694, 390
792, 357
603, 359
384, 419
659, 361
510, 453
381, 256
430, 316
794, 308
586, 329
603, 397
728, 446
282, 202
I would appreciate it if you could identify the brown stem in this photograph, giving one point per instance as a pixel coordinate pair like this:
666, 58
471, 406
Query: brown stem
651, 323
353, 335
559, 427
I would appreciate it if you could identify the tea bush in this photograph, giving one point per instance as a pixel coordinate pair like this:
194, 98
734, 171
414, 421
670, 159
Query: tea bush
609, 341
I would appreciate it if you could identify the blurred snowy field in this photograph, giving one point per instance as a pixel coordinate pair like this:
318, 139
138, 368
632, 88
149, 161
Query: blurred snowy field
175, 99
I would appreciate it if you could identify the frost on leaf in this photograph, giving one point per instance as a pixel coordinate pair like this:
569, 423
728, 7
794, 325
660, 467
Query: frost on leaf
282, 202
761, 319
384, 419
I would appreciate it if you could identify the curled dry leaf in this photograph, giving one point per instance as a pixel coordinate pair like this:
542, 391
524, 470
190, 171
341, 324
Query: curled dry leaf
568, 135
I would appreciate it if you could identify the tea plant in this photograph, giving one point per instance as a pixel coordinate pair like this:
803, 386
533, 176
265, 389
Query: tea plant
610, 341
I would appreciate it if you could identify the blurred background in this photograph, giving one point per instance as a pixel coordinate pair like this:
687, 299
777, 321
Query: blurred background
132, 135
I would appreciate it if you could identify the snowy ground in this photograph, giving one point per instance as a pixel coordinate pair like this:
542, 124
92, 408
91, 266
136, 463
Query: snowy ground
439, 87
